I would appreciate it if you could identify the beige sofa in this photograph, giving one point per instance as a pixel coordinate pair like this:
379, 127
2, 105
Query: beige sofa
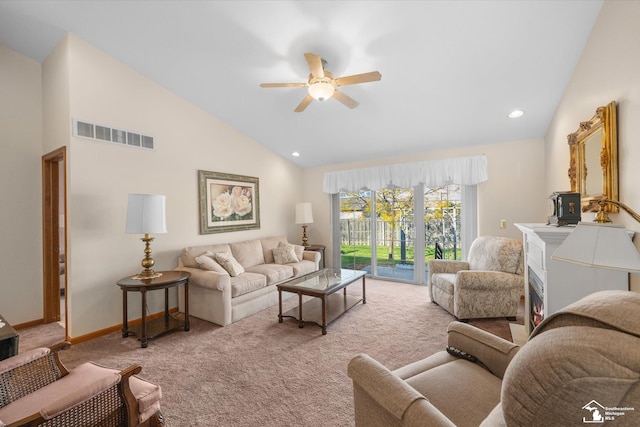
577, 365
224, 297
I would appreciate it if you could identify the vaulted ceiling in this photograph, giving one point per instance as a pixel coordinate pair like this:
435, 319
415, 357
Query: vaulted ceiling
451, 70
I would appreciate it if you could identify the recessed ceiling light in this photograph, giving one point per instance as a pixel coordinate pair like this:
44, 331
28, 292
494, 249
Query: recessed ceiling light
295, 154
515, 114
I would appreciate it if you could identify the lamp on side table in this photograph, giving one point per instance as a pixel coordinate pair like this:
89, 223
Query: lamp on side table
304, 216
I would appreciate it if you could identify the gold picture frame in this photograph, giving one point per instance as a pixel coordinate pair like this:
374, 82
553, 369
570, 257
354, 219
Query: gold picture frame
228, 202
593, 163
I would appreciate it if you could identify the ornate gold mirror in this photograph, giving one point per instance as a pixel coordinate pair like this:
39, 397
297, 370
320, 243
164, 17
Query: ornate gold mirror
593, 165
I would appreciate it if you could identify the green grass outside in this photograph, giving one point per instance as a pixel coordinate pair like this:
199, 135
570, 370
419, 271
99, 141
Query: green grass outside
360, 256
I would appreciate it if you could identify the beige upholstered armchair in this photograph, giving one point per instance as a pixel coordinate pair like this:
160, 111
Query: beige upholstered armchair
489, 284
36, 389
580, 364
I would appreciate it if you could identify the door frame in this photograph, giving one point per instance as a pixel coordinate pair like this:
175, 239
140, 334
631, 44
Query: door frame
51, 189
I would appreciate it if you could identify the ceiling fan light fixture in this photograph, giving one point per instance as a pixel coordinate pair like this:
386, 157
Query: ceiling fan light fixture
321, 90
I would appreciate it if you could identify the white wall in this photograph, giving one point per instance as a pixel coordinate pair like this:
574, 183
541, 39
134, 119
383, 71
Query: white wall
104, 91
608, 70
20, 188
514, 192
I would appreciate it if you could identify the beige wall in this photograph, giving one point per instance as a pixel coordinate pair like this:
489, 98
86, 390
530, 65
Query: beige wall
514, 192
103, 90
608, 70
80, 81
20, 184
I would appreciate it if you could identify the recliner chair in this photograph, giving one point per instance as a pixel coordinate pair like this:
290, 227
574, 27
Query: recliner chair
579, 364
489, 284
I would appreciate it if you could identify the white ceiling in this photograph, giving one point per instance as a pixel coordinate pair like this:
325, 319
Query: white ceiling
451, 70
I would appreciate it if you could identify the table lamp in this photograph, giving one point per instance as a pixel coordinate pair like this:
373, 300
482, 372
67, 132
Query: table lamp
146, 215
304, 216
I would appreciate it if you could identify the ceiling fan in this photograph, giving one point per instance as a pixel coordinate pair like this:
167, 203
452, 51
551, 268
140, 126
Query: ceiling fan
321, 84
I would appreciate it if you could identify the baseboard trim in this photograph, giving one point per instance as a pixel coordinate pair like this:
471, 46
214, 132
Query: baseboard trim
106, 331
95, 334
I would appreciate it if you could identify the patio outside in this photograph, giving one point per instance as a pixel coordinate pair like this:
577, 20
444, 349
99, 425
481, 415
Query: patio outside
394, 230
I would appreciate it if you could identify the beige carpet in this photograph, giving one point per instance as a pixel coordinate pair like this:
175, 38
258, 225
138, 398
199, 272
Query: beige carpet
258, 372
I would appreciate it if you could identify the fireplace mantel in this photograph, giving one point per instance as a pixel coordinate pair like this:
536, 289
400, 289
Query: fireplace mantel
562, 283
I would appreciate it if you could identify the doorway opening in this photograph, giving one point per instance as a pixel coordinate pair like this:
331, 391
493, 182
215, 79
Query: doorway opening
54, 237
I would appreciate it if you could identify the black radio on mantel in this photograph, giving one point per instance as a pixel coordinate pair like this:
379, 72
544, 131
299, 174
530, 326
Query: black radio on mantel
564, 208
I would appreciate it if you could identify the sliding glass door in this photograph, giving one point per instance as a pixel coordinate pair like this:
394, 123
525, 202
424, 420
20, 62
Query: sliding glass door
381, 233
394, 233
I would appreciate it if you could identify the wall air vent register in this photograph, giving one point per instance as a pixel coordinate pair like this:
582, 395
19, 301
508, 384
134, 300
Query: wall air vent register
109, 134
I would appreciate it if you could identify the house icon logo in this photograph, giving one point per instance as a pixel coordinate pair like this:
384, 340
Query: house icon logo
596, 413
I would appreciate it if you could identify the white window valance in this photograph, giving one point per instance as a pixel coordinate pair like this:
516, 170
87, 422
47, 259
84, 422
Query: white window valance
431, 173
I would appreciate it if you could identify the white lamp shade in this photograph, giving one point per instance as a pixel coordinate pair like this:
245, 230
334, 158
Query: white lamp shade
600, 245
146, 214
304, 215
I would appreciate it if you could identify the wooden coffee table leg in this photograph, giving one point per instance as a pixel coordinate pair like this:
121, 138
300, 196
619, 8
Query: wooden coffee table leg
300, 322
324, 315
280, 305
187, 326
364, 293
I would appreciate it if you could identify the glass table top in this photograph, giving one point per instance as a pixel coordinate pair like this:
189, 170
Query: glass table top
326, 279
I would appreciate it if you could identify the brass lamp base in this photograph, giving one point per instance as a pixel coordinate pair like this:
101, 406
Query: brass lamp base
602, 217
146, 275
305, 239
147, 262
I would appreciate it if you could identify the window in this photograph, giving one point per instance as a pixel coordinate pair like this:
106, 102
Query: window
380, 232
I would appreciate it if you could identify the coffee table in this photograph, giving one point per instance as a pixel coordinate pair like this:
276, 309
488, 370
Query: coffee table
327, 305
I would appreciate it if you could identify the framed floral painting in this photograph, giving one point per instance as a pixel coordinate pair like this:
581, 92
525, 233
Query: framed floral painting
228, 202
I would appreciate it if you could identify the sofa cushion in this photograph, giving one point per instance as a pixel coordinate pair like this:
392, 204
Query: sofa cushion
268, 245
229, 263
297, 249
248, 253
284, 255
275, 273
303, 267
207, 261
247, 282
188, 255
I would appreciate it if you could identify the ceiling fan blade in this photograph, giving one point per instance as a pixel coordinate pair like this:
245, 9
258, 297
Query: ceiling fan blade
306, 101
315, 65
283, 84
372, 76
345, 99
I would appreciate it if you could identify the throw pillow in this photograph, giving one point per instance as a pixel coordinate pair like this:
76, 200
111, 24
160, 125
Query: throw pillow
206, 262
298, 249
229, 263
284, 255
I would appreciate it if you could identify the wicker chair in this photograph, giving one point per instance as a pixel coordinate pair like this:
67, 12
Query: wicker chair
37, 390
